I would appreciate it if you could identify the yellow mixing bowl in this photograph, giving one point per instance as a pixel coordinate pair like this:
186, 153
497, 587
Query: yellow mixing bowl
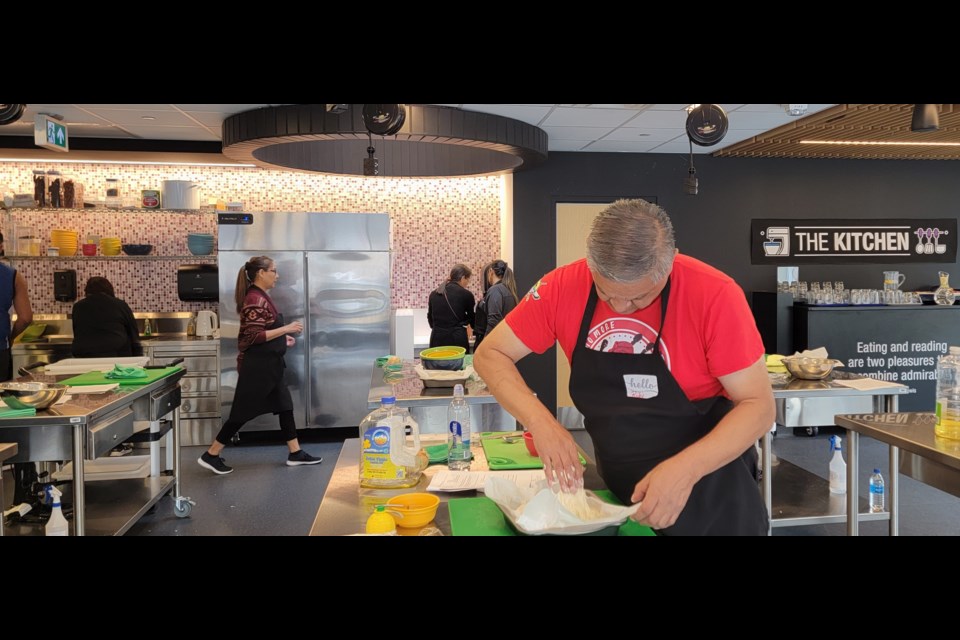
413, 509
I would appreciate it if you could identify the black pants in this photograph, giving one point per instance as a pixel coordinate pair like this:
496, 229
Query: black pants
6, 365
288, 427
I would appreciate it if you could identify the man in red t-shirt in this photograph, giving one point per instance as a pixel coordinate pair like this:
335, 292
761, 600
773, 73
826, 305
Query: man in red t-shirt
666, 367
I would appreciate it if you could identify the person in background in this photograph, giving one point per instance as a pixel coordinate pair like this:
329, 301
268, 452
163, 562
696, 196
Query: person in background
2, 250
450, 310
13, 293
499, 299
263, 341
103, 324
666, 366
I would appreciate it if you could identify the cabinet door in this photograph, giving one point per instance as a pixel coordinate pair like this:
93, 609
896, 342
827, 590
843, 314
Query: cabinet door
349, 325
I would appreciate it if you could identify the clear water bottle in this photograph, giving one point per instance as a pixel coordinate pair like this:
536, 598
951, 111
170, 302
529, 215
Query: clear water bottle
458, 432
876, 492
948, 395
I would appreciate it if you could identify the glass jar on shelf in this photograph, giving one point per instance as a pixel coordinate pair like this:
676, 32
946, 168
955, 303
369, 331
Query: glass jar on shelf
55, 189
40, 188
944, 294
112, 198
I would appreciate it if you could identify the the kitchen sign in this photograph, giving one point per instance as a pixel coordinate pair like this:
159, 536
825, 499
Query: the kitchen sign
832, 241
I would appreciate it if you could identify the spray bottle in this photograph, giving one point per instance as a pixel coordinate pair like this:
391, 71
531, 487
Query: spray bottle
838, 468
57, 524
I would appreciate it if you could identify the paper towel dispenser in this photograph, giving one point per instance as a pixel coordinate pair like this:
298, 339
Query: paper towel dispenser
198, 282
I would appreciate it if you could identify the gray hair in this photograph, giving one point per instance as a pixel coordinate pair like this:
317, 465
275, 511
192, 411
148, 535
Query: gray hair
630, 240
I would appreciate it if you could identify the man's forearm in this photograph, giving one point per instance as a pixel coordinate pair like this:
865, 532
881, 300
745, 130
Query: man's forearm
503, 379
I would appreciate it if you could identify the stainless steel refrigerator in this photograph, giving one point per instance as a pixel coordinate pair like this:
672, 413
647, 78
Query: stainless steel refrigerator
334, 276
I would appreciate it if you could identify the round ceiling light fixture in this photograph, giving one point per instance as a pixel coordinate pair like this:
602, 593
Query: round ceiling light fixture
10, 113
706, 124
424, 140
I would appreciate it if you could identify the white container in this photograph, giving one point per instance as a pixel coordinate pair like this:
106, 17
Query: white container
838, 468
180, 194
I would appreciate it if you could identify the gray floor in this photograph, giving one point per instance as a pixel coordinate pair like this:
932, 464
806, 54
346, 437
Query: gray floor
262, 497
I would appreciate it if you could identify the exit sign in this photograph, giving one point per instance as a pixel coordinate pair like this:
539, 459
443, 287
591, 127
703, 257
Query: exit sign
50, 134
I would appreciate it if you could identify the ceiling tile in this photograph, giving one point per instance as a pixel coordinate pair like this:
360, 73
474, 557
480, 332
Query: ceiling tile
762, 107
576, 133
669, 107
660, 120
208, 118
580, 117
129, 107
173, 133
130, 117
70, 113
641, 134
532, 115
221, 108
567, 145
681, 146
623, 146
758, 120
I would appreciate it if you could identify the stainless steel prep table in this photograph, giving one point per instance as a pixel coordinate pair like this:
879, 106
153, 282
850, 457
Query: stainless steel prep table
7, 451
346, 506
804, 498
87, 427
428, 406
932, 460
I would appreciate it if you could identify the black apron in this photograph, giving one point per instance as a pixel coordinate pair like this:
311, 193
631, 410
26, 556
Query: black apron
631, 435
260, 385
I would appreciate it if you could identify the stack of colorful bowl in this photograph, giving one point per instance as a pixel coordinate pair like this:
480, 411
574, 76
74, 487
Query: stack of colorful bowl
200, 244
110, 246
65, 240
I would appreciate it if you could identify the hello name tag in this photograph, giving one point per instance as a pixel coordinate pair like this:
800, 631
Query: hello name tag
641, 386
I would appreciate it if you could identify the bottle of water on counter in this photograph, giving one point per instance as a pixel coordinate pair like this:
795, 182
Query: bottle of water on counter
876, 492
458, 432
948, 395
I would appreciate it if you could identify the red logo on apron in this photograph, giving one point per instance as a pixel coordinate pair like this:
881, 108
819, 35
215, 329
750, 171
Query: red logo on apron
625, 335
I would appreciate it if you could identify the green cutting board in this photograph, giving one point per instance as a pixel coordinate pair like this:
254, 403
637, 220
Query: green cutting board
503, 455
99, 377
482, 517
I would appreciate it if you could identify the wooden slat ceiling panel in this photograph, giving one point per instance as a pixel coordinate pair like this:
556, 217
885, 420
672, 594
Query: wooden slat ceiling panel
855, 122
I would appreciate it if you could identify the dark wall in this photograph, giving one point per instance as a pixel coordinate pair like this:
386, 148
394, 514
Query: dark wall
714, 225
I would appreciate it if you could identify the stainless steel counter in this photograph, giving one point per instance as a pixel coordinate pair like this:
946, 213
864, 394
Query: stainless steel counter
927, 458
88, 426
345, 506
428, 405
7, 451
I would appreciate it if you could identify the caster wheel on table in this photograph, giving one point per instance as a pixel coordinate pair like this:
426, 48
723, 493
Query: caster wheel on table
182, 508
806, 431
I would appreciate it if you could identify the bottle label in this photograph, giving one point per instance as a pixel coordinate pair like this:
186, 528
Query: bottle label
876, 489
456, 429
375, 462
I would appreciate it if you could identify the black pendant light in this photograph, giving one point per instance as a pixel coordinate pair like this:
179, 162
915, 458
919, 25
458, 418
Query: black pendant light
925, 118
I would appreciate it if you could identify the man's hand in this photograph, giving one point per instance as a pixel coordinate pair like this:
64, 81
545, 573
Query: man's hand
561, 460
664, 493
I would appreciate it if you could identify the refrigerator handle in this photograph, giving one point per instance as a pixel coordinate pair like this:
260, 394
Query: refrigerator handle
307, 364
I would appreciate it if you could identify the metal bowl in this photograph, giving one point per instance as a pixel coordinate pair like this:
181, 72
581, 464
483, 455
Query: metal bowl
809, 368
39, 395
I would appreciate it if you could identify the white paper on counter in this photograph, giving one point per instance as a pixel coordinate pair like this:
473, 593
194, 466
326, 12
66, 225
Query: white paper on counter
537, 510
866, 384
475, 480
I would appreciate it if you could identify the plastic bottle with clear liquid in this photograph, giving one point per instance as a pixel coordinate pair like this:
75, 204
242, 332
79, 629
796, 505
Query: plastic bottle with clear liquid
944, 294
57, 524
948, 395
458, 432
389, 458
838, 468
876, 492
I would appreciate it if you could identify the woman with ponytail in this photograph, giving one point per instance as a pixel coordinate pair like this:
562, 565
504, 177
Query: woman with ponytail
499, 299
263, 340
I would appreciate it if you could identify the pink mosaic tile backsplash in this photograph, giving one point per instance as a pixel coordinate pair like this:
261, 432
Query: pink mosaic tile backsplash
436, 223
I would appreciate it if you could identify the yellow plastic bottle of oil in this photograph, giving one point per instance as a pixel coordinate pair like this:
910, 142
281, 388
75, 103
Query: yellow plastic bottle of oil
389, 458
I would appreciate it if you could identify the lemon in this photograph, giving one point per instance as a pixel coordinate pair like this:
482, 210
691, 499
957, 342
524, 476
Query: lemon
380, 521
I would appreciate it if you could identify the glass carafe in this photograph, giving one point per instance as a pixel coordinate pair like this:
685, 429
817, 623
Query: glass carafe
944, 294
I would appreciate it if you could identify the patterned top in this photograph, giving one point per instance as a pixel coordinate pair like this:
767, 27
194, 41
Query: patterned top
257, 315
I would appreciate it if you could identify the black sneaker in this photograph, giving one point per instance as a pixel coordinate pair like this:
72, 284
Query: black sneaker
302, 457
215, 464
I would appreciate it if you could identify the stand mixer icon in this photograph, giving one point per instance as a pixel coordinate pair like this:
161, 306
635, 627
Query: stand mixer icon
932, 244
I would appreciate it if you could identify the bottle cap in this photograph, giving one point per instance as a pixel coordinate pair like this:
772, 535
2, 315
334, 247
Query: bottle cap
876, 470
458, 390
388, 400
